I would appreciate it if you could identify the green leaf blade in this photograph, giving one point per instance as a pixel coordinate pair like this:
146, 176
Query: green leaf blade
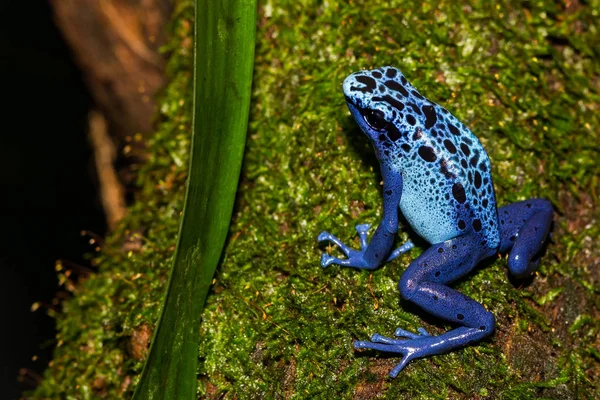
223, 60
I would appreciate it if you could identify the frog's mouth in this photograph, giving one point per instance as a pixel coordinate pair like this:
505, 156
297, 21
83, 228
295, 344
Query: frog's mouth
358, 116
354, 110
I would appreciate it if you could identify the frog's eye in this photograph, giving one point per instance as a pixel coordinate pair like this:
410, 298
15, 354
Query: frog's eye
375, 119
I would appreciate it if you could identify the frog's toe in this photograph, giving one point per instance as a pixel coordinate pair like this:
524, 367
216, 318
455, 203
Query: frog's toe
360, 344
382, 343
403, 333
403, 347
363, 228
328, 237
423, 332
400, 250
324, 236
327, 260
377, 338
396, 370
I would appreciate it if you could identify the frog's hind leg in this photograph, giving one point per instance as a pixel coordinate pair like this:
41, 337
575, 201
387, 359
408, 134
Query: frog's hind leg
524, 227
424, 283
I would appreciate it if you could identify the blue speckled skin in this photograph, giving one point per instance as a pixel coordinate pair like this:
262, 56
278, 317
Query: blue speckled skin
438, 174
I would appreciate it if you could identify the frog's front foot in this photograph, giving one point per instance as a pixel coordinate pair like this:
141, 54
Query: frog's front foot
355, 258
417, 345
363, 259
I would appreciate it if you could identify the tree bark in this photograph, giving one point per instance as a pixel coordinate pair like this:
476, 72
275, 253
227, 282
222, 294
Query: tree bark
116, 45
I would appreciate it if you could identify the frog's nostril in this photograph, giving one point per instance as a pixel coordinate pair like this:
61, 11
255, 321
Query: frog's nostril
349, 82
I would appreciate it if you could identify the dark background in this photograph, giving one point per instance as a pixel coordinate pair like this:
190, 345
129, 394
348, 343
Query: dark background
47, 184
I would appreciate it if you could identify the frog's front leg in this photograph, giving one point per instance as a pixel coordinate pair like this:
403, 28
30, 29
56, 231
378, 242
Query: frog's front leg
424, 283
371, 255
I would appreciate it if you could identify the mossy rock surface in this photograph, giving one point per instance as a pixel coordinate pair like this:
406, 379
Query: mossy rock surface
524, 76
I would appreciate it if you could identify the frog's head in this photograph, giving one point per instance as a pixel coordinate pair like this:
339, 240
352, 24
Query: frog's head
381, 102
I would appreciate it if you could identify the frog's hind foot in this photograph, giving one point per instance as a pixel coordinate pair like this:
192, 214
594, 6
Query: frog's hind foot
419, 345
424, 283
402, 346
409, 349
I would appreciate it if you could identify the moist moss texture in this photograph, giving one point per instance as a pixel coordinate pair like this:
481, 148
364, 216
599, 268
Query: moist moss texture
524, 76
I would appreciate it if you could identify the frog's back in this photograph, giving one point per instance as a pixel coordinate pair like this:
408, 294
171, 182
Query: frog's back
447, 184
448, 189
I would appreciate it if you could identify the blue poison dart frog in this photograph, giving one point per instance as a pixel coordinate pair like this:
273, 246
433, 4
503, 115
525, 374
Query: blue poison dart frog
438, 174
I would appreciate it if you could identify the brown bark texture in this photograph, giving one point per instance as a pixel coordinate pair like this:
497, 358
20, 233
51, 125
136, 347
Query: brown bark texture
116, 44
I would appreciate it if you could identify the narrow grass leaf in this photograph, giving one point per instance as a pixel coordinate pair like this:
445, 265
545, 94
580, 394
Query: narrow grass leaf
223, 59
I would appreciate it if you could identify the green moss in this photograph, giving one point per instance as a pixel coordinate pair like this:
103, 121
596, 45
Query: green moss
525, 78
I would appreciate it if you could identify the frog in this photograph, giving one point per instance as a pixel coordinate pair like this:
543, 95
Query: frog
436, 172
